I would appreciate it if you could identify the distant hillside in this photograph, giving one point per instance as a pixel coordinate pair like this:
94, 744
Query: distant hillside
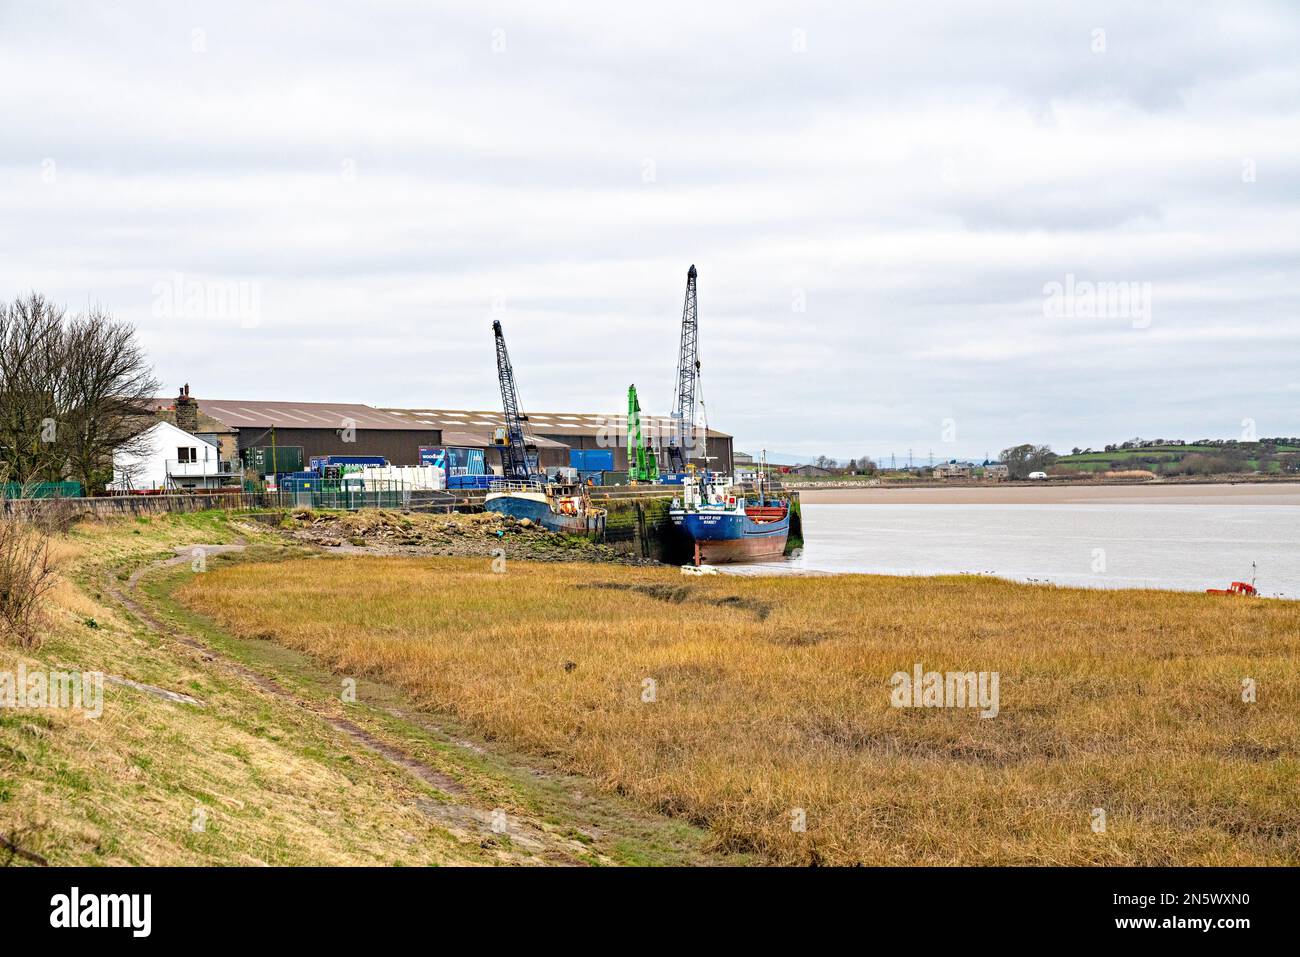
1204, 457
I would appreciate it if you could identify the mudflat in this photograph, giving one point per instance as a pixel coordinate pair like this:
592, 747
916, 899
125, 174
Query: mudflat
1245, 493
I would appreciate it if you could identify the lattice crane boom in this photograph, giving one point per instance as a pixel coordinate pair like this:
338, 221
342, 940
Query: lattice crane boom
518, 448
682, 442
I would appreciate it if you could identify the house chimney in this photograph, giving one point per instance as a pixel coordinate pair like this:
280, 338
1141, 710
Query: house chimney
187, 411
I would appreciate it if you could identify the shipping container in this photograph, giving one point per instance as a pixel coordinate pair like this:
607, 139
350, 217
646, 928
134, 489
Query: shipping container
298, 482
264, 460
469, 481
598, 460
592, 460
455, 460
348, 462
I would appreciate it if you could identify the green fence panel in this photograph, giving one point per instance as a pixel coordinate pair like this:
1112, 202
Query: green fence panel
43, 490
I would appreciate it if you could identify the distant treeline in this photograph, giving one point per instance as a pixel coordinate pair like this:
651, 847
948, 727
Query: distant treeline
1172, 457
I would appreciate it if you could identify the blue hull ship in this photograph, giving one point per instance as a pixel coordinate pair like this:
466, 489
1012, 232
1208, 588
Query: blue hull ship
556, 508
721, 528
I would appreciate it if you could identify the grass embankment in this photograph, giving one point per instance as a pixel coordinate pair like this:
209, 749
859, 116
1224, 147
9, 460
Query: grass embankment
261, 772
773, 695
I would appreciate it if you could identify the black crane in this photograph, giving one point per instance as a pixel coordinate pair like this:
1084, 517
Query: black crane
518, 448
682, 442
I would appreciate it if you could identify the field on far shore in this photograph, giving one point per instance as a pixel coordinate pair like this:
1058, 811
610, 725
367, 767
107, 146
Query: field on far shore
761, 707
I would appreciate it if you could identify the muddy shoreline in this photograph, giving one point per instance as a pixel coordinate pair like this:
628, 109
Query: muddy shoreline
411, 534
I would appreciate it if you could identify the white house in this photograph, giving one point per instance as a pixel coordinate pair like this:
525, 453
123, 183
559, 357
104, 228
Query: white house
173, 458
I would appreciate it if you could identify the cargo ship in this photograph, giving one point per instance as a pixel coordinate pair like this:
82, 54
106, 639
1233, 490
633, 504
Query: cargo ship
722, 527
559, 507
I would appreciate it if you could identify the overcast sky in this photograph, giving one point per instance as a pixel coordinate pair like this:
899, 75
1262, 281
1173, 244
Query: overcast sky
878, 202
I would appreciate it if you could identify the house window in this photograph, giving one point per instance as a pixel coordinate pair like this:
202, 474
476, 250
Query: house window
187, 455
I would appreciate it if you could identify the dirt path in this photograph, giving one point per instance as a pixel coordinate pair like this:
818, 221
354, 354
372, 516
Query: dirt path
530, 842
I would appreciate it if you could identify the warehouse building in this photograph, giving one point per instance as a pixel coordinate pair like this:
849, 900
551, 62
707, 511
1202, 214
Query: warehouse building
340, 428
576, 430
319, 428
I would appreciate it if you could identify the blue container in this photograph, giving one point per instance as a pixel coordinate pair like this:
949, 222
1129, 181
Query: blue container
469, 481
598, 460
591, 460
299, 482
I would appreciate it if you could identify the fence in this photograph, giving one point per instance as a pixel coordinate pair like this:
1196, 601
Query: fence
353, 498
236, 500
41, 490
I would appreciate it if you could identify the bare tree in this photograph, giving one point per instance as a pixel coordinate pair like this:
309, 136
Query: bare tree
74, 391
105, 396
31, 373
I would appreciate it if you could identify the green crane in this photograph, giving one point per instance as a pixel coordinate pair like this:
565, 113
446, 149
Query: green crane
642, 464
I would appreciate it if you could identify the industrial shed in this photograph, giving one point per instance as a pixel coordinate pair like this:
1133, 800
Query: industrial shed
574, 430
324, 428
321, 428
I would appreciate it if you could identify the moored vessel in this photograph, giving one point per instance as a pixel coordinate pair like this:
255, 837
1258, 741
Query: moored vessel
558, 507
722, 527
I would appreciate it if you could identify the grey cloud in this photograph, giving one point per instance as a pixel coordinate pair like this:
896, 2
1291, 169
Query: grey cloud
914, 177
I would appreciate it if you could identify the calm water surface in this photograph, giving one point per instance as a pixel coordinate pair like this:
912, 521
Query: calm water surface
1182, 547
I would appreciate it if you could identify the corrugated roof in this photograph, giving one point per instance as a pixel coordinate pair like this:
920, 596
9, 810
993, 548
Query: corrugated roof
473, 440
250, 414
207, 424
555, 423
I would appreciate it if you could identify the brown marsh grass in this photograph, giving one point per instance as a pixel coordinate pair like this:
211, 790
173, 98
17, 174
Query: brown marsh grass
772, 695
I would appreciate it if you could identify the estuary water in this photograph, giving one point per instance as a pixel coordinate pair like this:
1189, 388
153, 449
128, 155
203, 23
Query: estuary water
1186, 547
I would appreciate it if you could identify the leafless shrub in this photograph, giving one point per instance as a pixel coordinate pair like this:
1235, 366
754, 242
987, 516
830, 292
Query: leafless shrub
26, 574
